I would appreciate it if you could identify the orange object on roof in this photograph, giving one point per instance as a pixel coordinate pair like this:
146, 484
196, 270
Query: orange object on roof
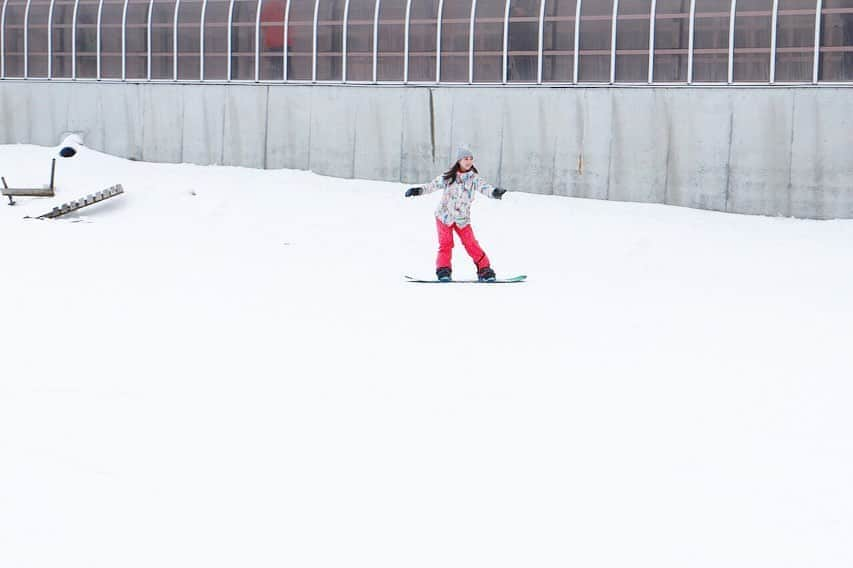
272, 24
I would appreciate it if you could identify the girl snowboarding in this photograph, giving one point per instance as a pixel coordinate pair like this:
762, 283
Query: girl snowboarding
454, 213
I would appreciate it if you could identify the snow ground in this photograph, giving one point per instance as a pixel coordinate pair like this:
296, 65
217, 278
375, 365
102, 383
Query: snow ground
225, 367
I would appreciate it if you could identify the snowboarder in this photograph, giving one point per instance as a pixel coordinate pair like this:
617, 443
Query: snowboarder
454, 211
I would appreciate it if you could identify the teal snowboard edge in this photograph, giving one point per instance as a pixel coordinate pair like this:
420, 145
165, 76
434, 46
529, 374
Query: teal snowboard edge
511, 280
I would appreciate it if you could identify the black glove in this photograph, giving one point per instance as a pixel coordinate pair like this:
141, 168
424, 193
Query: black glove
497, 193
413, 191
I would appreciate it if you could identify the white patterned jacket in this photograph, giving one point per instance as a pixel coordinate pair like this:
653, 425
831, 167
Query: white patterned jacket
455, 205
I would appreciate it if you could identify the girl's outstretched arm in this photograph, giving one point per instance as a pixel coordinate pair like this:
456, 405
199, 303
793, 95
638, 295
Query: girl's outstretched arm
436, 184
488, 189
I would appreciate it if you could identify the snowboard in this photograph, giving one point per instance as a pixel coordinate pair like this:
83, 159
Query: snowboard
511, 280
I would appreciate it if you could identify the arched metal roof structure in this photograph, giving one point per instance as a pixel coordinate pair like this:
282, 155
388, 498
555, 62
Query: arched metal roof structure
458, 42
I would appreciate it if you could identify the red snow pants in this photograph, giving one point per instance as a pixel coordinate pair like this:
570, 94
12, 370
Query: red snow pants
469, 241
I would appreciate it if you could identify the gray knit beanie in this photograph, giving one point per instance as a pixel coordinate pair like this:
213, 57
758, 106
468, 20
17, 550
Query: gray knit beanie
463, 151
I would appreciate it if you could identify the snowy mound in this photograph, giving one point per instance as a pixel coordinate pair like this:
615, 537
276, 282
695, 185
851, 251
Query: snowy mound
73, 140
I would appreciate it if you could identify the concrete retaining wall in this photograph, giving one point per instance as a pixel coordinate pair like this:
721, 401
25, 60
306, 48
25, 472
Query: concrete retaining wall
761, 150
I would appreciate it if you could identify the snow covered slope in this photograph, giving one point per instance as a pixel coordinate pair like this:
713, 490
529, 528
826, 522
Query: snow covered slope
225, 367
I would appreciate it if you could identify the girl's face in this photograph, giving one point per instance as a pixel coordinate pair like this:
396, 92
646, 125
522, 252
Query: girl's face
466, 163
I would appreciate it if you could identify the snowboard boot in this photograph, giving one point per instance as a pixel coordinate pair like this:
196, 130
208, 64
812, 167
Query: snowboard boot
443, 273
486, 274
